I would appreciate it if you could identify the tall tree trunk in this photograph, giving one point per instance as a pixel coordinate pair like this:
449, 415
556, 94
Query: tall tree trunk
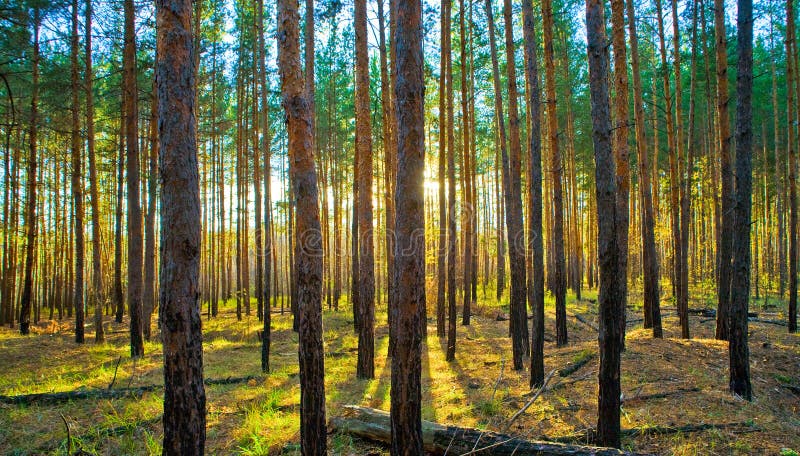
354, 263
30, 198
452, 240
671, 146
559, 280
501, 246
257, 124
740, 284
149, 292
620, 146
611, 288
408, 303
97, 294
649, 254
184, 393
727, 195
676, 185
791, 152
516, 230
77, 184
443, 146
365, 367
308, 258
535, 243
513, 202
390, 165
466, 149
119, 299
266, 139
134, 210
686, 188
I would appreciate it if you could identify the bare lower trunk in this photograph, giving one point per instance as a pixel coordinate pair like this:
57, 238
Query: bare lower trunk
184, 392
557, 234
620, 146
134, 225
727, 219
77, 184
149, 291
26, 300
365, 367
649, 254
313, 437
535, 243
97, 294
740, 284
611, 289
408, 303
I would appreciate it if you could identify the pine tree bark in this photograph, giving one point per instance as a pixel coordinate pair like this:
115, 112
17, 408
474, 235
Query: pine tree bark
680, 259
450, 221
149, 291
513, 213
652, 305
313, 437
611, 289
365, 367
535, 243
791, 152
97, 294
621, 160
469, 206
266, 139
726, 229
389, 148
441, 259
559, 280
408, 303
26, 299
686, 186
77, 184
258, 232
134, 222
516, 230
184, 393
740, 280
119, 299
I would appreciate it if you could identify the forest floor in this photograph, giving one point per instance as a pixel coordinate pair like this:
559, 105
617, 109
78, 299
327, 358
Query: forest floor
479, 389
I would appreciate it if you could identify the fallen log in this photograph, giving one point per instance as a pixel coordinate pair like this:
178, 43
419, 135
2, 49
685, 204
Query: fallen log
769, 322
571, 368
590, 435
705, 312
119, 393
793, 388
66, 396
438, 439
647, 397
585, 322
709, 312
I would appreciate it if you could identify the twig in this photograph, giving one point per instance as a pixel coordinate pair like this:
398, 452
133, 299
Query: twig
111, 385
528, 404
499, 378
496, 444
133, 373
449, 445
69, 435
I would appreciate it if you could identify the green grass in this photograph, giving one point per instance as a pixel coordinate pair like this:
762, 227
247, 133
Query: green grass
262, 417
